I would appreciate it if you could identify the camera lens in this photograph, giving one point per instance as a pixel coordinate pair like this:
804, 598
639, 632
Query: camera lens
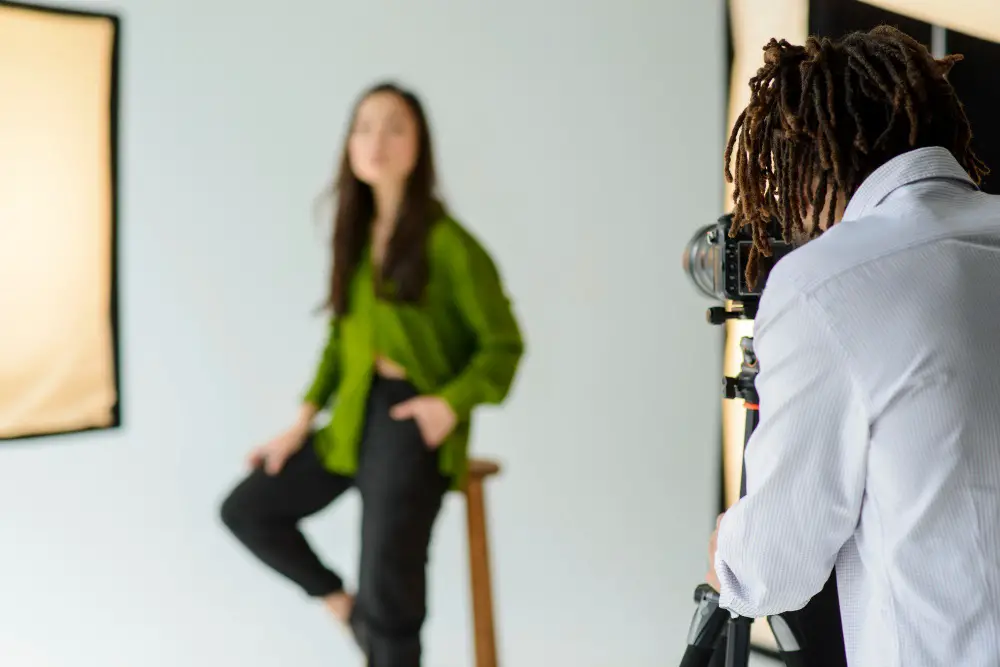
701, 260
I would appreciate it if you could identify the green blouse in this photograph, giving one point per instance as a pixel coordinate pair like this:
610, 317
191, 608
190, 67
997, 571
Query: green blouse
461, 343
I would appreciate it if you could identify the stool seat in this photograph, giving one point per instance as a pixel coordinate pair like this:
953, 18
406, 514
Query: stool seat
480, 468
484, 639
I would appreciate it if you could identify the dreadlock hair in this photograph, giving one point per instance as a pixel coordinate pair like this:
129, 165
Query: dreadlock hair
824, 116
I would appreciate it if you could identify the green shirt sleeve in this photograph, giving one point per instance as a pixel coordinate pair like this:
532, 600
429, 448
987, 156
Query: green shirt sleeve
486, 308
328, 373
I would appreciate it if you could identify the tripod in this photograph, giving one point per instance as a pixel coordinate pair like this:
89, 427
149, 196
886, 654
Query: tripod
712, 625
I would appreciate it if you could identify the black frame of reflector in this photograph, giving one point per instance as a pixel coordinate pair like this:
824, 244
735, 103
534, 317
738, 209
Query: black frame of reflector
114, 135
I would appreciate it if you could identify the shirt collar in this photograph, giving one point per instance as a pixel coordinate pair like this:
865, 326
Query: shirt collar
933, 162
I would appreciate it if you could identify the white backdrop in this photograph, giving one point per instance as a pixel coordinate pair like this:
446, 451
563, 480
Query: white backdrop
582, 141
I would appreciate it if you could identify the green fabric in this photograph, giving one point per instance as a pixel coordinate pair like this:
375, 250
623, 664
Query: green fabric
462, 343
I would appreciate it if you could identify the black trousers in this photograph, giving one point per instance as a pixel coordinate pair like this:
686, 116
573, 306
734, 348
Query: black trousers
401, 491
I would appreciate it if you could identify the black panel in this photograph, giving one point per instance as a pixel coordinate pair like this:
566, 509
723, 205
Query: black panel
975, 81
730, 48
834, 18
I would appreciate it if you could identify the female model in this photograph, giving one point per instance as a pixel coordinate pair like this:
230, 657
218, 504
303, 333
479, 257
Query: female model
421, 331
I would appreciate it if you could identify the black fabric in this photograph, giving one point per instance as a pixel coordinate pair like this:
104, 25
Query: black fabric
973, 80
835, 18
263, 513
401, 491
818, 627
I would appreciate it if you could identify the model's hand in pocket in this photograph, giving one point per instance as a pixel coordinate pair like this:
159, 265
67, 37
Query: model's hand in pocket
435, 418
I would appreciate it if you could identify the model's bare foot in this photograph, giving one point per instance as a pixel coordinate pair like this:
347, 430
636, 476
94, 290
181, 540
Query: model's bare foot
340, 605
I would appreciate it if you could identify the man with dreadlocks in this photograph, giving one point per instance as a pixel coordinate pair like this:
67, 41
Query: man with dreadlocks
878, 448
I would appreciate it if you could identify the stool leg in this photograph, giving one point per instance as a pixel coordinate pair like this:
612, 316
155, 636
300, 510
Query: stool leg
479, 569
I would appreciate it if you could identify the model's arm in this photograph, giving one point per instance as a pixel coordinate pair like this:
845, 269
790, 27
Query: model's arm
327, 377
805, 468
305, 417
483, 303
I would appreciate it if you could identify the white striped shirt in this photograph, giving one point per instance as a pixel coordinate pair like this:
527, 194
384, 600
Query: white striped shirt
878, 448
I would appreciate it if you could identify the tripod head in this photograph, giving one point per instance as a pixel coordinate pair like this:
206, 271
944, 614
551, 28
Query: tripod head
739, 310
742, 386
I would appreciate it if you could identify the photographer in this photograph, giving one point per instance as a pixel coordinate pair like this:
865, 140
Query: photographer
878, 447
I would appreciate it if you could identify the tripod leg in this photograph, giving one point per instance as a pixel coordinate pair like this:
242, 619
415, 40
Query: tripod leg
719, 652
738, 646
707, 628
788, 641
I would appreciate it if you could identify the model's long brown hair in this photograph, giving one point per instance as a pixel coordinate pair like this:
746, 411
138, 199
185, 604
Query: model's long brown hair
404, 268
824, 116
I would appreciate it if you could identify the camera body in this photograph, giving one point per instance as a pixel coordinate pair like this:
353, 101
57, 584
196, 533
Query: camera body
716, 262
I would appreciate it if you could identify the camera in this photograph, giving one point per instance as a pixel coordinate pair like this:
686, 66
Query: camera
716, 262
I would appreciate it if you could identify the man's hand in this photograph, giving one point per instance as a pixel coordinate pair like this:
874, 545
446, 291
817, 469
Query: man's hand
712, 578
435, 418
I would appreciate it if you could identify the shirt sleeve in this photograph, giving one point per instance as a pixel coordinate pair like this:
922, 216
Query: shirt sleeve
328, 374
484, 305
805, 468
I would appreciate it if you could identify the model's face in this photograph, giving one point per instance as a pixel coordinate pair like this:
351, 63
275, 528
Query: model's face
384, 142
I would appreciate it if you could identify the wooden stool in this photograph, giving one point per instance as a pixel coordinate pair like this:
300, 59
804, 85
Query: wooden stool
479, 562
